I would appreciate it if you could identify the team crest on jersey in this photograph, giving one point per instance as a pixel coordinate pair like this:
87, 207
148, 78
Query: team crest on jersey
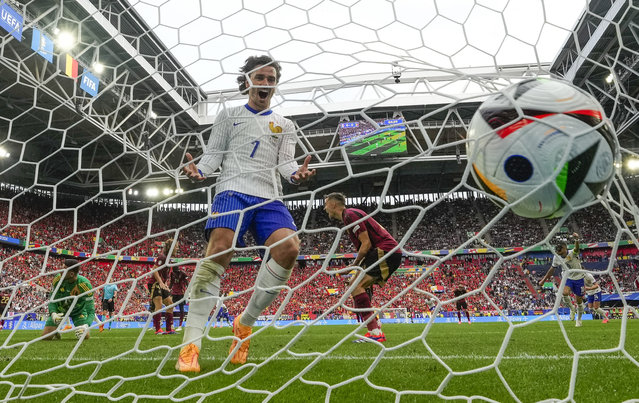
274, 128
214, 215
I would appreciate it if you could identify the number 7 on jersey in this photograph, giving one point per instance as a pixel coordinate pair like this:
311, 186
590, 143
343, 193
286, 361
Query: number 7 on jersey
257, 144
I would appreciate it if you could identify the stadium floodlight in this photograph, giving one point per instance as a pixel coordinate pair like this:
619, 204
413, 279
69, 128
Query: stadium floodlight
98, 67
65, 40
632, 164
179, 190
609, 78
152, 192
167, 191
152, 114
135, 193
4, 153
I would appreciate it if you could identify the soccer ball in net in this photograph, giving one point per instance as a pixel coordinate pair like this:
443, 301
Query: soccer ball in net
540, 144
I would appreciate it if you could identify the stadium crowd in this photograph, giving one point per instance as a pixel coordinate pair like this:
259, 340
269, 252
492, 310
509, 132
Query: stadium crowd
314, 289
447, 224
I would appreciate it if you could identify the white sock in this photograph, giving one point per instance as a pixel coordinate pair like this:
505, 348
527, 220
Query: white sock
568, 302
580, 310
601, 312
204, 294
271, 275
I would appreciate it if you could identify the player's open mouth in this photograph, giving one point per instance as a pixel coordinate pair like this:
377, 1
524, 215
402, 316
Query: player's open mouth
263, 94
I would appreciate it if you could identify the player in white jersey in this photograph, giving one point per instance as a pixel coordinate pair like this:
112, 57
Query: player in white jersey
575, 280
251, 144
594, 296
222, 313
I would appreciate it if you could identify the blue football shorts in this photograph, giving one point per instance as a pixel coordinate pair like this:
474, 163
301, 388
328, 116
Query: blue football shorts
262, 221
594, 297
576, 286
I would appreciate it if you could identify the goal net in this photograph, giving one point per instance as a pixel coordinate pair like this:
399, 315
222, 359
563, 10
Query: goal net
101, 101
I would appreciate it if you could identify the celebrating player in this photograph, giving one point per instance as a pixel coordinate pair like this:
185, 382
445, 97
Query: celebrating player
575, 279
250, 143
159, 290
179, 282
68, 289
594, 296
373, 243
461, 304
109, 292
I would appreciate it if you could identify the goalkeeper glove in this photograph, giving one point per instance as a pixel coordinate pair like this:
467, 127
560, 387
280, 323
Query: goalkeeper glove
57, 317
80, 330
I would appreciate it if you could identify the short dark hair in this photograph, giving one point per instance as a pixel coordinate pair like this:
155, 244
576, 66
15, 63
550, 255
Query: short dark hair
340, 197
72, 262
252, 63
560, 245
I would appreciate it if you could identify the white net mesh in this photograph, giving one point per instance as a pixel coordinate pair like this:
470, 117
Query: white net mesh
75, 168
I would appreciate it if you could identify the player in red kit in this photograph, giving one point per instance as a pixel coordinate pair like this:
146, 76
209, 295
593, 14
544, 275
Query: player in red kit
5, 297
373, 244
159, 289
179, 283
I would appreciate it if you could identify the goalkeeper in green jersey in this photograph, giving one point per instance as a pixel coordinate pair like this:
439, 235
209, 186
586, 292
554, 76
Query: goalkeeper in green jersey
67, 289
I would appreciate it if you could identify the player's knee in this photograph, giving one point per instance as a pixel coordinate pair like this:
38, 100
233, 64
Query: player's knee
286, 253
220, 242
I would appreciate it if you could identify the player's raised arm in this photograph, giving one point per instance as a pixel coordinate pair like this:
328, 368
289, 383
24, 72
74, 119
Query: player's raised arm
303, 173
213, 153
191, 170
289, 169
576, 237
548, 275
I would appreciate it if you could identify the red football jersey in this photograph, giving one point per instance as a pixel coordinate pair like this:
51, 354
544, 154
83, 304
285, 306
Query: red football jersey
179, 282
165, 272
380, 238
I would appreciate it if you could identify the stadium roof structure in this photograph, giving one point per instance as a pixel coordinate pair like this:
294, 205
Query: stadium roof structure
602, 58
150, 110
86, 144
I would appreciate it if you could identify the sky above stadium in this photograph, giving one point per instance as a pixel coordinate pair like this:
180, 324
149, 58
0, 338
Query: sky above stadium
316, 39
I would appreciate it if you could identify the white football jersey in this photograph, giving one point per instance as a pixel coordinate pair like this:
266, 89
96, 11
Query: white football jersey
252, 148
589, 281
572, 261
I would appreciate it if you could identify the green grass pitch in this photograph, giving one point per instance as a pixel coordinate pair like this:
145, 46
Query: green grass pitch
536, 364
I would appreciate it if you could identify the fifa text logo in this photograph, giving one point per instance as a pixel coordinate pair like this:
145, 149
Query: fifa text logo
89, 83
